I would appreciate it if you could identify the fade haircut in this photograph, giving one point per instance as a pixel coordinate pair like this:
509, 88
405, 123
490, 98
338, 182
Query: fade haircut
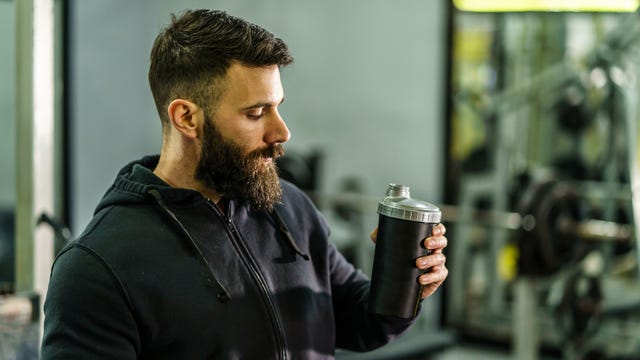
191, 56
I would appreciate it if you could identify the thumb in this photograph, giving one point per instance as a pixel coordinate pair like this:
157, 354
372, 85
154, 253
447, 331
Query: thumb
374, 235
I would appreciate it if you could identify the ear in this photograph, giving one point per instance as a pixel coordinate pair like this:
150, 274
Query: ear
186, 117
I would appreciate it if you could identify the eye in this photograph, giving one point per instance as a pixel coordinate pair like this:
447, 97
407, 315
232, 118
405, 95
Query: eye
255, 115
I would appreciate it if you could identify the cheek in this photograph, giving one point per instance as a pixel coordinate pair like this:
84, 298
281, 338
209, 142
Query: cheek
248, 141
247, 148
246, 134
239, 138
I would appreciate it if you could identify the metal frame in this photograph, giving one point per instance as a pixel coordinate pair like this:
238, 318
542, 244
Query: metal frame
36, 123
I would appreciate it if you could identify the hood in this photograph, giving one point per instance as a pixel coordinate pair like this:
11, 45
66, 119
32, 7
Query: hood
136, 179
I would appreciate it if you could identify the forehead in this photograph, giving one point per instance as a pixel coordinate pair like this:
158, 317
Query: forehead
247, 85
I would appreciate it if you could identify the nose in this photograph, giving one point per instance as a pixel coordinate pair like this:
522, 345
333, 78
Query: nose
278, 132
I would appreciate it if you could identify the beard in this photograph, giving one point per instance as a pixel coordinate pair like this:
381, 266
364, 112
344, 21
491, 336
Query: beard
225, 168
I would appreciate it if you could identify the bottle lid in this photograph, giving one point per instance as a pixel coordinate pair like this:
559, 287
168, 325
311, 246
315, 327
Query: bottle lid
398, 204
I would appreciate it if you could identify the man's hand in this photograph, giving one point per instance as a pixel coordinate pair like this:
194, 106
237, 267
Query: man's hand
434, 262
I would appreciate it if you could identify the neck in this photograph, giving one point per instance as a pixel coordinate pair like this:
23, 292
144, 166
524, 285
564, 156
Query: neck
179, 172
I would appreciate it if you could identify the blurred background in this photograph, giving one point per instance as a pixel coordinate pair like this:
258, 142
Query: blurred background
520, 121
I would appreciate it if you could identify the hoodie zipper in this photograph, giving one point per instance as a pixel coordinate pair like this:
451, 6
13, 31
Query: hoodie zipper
254, 269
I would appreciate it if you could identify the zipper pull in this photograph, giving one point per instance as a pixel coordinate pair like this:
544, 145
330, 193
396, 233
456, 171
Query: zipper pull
230, 225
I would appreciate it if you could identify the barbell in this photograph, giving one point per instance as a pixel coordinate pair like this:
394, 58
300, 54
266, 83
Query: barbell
550, 225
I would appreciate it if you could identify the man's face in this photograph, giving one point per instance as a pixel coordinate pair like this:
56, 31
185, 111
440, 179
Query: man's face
244, 136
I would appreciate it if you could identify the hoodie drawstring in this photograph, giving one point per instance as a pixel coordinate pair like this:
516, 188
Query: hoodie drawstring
283, 228
223, 294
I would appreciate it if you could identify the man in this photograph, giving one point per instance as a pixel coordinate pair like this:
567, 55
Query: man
203, 252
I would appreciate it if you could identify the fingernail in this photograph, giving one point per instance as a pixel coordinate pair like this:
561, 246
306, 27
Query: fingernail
422, 263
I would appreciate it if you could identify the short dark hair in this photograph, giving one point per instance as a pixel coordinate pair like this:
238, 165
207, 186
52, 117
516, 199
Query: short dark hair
191, 56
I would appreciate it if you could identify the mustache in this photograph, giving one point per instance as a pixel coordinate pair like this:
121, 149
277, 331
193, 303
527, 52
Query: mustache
272, 151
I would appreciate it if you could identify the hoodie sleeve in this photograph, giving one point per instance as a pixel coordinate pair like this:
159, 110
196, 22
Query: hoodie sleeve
356, 328
87, 315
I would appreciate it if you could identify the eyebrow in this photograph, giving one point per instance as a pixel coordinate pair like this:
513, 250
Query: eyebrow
262, 104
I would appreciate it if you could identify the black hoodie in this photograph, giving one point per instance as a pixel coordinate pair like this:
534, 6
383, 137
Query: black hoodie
161, 273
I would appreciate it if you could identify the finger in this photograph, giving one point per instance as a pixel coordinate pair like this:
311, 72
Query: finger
438, 230
425, 262
430, 288
374, 235
436, 276
435, 242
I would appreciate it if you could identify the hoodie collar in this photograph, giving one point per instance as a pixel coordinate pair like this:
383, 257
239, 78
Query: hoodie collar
136, 179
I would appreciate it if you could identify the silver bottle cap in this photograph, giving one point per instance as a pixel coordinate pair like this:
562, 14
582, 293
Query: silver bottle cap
398, 204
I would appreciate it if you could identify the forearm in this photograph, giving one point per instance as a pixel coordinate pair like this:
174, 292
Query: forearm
360, 330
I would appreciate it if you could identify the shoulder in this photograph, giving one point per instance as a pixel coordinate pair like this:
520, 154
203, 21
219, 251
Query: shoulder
292, 195
297, 207
123, 226
295, 200
119, 234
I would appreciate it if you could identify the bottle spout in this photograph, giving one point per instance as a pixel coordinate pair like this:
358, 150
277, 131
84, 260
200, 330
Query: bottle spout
395, 190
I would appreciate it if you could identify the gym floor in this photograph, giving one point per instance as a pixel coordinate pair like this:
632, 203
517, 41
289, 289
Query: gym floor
440, 346
471, 352
479, 352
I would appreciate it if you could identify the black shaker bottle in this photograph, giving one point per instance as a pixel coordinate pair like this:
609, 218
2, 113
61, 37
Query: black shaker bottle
403, 224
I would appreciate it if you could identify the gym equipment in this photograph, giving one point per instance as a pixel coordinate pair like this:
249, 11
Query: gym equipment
557, 187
